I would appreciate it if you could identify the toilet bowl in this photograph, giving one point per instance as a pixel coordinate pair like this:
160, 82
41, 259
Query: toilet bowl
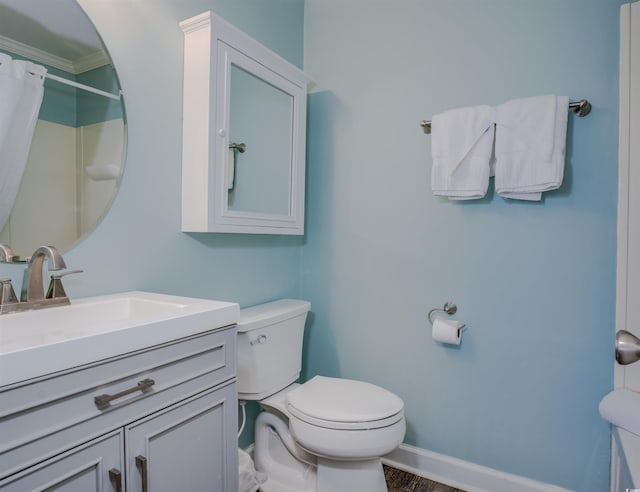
345, 419
325, 435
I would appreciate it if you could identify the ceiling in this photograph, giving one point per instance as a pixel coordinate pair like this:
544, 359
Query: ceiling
56, 27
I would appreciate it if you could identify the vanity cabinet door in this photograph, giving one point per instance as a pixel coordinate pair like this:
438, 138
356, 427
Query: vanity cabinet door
189, 446
95, 466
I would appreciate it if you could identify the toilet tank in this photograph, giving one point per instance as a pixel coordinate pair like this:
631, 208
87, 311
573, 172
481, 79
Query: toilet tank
270, 347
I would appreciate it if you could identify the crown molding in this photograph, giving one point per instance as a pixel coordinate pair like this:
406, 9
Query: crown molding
75, 67
91, 61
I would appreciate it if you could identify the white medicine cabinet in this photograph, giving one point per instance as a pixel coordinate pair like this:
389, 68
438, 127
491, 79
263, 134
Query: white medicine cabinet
244, 131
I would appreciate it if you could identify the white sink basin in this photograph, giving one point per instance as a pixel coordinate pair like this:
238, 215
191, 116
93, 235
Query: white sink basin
35, 343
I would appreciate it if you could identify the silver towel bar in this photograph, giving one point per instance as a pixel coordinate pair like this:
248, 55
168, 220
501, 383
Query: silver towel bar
240, 147
581, 108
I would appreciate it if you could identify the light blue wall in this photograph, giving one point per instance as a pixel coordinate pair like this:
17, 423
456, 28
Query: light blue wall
93, 108
139, 244
535, 283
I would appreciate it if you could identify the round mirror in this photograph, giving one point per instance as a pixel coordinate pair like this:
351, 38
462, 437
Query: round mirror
76, 155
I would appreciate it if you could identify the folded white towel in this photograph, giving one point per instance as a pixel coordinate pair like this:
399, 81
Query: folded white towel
622, 408
461, 148
530, 146
230, 174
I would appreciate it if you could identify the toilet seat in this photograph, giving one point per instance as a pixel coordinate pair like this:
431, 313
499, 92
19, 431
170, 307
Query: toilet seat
331, 424
344, 404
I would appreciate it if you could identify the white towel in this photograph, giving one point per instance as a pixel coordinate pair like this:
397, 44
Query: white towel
461, 147
230, 174
530, 146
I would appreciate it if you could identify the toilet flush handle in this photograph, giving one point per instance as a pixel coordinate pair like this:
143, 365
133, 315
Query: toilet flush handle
259, 339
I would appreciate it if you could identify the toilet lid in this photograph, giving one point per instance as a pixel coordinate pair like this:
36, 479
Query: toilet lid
331, 402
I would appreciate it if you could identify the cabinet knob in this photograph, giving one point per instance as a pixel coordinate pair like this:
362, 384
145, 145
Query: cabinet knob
259, 339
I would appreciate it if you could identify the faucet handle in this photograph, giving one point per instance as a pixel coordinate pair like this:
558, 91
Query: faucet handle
7, 294
56, 290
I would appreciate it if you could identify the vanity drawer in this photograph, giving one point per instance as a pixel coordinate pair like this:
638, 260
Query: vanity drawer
45, 416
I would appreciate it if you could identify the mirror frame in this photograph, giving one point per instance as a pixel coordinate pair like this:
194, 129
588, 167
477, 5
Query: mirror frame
211, 47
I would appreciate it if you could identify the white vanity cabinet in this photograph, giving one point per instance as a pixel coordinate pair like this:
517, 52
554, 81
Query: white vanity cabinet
95, 465
158, 419
174, 450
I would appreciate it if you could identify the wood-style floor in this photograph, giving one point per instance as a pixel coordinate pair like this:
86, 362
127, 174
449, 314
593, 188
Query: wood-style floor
401, 481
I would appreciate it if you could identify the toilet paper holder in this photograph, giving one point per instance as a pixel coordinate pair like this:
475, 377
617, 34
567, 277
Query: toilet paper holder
449, 308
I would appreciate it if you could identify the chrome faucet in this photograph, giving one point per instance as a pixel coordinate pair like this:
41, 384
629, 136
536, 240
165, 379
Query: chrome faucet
6, 254
7, 294
33, 286
32, 295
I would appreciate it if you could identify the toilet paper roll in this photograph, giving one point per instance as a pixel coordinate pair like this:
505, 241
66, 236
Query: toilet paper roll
447, 331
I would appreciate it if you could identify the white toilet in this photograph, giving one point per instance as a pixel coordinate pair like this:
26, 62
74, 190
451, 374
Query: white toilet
326, 435
621, 408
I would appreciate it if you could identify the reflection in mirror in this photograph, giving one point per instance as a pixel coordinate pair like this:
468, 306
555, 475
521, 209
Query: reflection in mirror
261, 114
76, 156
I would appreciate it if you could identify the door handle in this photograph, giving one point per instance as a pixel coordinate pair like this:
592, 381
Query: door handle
141, 464
116, 479
627, 348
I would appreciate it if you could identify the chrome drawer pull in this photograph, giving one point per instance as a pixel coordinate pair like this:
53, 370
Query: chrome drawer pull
103, 401
116, 479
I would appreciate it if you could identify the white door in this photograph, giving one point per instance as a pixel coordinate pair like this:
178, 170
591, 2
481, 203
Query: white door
628, 275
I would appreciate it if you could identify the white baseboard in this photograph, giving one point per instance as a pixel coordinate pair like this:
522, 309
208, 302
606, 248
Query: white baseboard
461, 474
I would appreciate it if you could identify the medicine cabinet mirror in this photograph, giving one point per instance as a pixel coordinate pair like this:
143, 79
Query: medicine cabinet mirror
244, 130
77, 153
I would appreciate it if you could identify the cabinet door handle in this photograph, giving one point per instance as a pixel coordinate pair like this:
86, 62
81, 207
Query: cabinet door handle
141, 465
103, 401
116, 479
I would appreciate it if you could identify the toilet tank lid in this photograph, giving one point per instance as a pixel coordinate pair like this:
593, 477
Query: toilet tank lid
271, 312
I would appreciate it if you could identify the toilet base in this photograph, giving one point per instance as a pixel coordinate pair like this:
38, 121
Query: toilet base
284, 472
287, 474
629, 459
339, 476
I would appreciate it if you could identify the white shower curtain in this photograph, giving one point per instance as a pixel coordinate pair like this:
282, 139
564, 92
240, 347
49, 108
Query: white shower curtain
21, 91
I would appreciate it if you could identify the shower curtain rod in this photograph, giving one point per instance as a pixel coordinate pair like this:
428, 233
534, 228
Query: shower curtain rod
581, 108
83, 87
